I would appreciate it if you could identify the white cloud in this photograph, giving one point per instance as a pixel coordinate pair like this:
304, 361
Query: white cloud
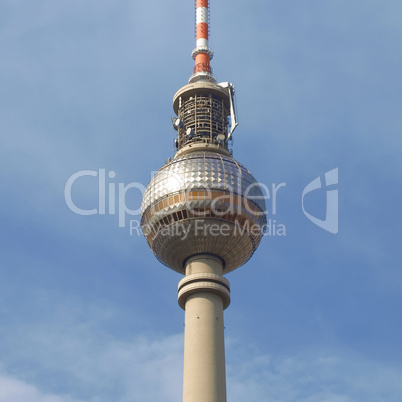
15, 390
98, 370
96, 366
73, 349
311, 376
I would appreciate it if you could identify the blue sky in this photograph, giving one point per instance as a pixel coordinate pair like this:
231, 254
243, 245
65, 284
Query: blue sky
87, 313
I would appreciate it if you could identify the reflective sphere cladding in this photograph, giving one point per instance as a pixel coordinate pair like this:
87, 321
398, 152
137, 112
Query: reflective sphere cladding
203, 202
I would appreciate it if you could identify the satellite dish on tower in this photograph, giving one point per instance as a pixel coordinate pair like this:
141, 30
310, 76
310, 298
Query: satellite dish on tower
177, 123
220, 138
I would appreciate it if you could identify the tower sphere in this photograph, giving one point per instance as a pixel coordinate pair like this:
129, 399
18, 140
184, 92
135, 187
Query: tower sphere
203, 202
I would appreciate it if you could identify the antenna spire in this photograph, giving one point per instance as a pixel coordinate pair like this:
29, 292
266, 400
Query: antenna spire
202, 54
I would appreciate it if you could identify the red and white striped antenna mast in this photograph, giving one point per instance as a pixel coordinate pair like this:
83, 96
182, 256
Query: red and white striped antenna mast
202, 54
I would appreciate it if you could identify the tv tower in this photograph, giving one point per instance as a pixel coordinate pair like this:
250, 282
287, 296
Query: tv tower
203, 215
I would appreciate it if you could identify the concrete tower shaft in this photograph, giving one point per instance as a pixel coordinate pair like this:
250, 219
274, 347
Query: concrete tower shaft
204, 294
